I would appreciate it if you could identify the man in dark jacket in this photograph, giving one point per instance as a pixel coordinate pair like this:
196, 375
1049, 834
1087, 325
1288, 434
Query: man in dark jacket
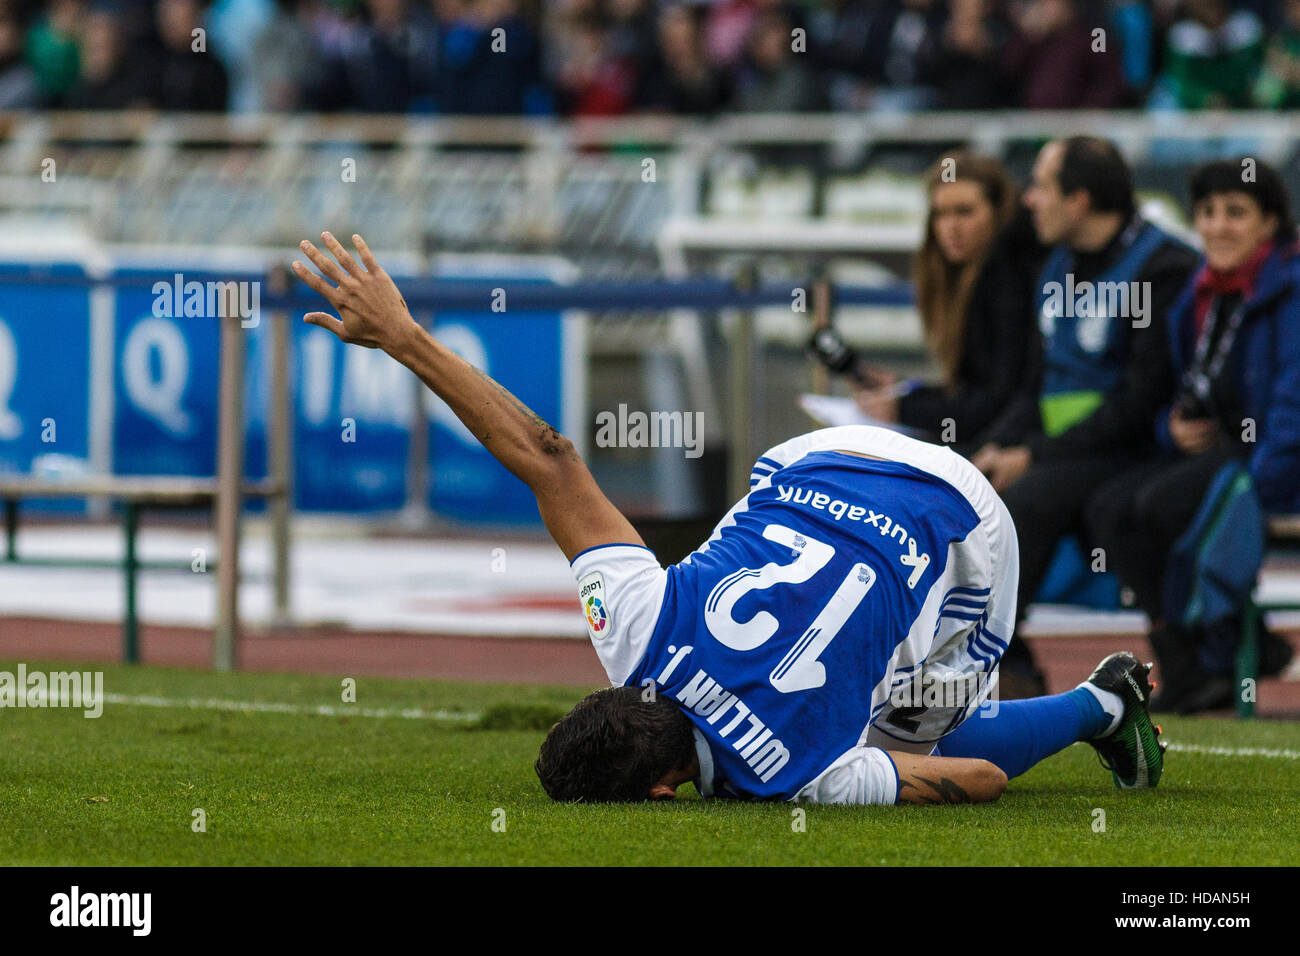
1103, 370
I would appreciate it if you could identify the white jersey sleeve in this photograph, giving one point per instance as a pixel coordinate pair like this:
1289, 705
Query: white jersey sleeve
861, 776
621, 591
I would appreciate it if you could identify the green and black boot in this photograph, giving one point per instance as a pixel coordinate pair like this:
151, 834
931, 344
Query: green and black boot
1133, 753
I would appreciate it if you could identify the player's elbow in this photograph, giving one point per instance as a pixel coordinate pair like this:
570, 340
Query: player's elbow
548, 462
557, 447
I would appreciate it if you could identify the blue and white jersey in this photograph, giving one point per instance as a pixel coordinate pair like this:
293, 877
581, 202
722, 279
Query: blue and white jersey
828, 587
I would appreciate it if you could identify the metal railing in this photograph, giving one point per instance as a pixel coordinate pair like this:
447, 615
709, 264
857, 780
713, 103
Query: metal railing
596, 190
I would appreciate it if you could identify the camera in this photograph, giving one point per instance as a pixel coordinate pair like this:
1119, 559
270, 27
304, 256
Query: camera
1193, 399
836, 354
1191, 406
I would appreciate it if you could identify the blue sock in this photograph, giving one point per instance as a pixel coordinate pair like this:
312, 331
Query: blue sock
1025, 731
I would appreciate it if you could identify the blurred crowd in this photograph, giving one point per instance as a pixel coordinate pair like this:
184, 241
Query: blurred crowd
614, 57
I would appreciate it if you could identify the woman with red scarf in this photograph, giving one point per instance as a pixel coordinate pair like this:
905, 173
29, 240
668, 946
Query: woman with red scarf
1235, 336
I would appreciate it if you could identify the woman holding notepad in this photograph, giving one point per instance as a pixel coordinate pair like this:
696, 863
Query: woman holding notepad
973, 277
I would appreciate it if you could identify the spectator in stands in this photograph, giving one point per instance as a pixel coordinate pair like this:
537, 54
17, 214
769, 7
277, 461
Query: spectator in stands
728, 26
633, 39
848, 40
288, 60
110, 79
975, 299
489, 60
1103, 369
187, 75
968, 71
880, 55
683, 56
18, 89
1055, 63
334, 27
1235, 338
52, 50
233, 26
1212, 58
390, 65
1135, 27
593, 80
910, 56
687, 82
774, 78
1278, 86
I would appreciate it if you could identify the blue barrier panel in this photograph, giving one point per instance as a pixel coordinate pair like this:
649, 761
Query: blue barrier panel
166, 376
165, 371
527, 354
352, 419
352, 406
44, 372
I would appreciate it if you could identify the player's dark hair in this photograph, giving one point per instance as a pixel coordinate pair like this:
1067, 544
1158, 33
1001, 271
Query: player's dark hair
613, 747
1095, 165
1256, 179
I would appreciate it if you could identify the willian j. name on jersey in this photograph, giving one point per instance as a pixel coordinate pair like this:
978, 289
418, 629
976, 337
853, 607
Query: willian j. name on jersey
764, 753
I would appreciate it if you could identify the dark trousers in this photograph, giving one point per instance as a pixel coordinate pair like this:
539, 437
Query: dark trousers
1138, 515
1048, 503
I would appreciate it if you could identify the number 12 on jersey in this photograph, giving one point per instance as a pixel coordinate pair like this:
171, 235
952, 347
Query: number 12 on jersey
800, 669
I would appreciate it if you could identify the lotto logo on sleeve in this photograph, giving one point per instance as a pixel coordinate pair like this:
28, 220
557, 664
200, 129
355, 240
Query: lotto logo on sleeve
591, 592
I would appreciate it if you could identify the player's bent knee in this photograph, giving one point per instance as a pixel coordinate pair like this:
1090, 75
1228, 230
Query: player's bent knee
948, 779
992, 782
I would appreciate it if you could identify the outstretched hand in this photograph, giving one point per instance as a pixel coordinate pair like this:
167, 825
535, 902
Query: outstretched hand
371, 310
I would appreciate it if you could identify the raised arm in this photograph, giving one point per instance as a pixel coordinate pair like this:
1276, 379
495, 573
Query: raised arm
372, 313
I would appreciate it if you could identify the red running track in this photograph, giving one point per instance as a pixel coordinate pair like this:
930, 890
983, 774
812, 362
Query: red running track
1065, 660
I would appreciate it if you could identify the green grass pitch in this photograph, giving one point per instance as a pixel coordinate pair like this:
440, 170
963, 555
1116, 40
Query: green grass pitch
293, 786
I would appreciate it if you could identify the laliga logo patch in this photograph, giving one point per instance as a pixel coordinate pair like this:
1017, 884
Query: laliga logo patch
591, 594
596, 615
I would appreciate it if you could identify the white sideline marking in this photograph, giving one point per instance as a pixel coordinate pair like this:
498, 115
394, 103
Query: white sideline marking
1234, 751
272, 707
415, 713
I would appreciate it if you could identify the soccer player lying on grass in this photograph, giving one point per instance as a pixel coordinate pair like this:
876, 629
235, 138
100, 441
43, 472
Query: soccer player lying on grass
835, 640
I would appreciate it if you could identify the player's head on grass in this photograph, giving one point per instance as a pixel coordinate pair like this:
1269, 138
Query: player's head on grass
617, 746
